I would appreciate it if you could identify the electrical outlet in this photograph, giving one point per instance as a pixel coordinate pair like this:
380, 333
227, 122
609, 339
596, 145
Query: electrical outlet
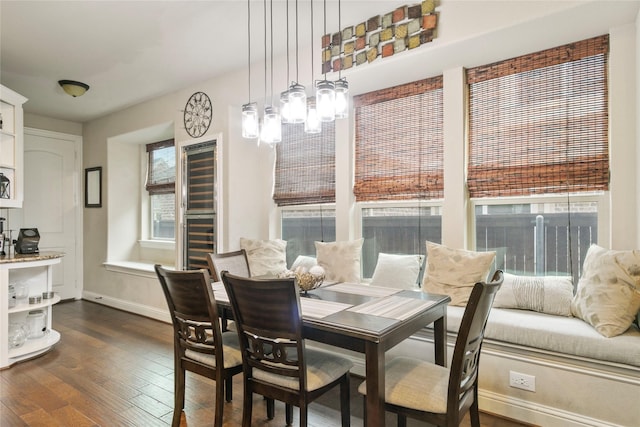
522, 381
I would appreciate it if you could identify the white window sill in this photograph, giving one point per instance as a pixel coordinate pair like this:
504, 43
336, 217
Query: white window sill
135, 268
158, 244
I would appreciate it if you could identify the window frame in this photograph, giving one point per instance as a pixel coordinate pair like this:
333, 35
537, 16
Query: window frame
602, 199
413, 203
147, 239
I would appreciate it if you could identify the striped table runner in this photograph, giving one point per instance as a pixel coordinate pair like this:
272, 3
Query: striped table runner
393, 307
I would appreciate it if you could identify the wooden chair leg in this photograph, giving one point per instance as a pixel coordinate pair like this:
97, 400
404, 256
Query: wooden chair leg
179, 386
345, 405
219, 403
303, 415
288, 410
474, 412
247, 407
270, 408
228, 389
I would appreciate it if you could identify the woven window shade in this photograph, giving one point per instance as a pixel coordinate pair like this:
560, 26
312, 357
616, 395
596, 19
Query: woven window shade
399, 146
538, 124
161, 174
305, 166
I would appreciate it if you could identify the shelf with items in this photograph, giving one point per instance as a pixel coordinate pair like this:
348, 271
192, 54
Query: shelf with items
26, 306
29, 276
11, 148
33, 347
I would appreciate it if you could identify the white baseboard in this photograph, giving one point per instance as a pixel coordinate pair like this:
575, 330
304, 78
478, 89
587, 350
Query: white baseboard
120, 304
534, 413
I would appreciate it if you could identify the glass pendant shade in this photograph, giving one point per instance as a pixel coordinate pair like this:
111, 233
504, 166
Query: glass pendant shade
325, 100
272, 126
313, 123
250, 121
342, 99
285, 110
297, 103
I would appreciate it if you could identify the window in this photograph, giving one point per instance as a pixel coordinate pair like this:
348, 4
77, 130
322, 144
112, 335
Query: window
538, 126
301, 227
399, 157
305, 187
398, 230
161, 187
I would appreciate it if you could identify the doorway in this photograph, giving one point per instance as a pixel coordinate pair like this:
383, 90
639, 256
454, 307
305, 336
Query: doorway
52, 203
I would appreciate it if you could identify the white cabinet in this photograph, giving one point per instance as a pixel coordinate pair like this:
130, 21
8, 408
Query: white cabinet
36, 273
11, 148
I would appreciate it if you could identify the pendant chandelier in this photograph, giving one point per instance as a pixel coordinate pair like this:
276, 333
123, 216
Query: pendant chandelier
331, 98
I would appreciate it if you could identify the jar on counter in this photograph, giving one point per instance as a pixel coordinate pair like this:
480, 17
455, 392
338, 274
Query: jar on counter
36, 323
17, 334
12, 296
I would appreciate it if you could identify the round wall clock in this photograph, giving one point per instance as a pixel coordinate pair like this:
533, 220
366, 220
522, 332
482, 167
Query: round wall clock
197, 114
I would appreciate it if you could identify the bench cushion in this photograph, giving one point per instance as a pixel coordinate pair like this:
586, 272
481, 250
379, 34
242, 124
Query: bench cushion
567, 335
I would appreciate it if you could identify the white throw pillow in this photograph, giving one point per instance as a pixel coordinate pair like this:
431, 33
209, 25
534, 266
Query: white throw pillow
340, 260
454, 271
266, 257
544, 294
608, 294
305, 262
397, 271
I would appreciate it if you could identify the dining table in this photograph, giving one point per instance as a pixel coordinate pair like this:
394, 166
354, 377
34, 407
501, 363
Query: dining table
368, 320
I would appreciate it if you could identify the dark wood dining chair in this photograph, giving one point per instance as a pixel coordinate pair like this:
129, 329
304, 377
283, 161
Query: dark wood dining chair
435, 394
235, 262
199, 344
276, 362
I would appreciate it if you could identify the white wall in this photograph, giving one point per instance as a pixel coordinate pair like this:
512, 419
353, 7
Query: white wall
470, 33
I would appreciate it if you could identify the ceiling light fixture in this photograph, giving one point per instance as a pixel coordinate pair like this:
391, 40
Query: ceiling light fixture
272, 124
297, 93
312, 125
341, 85
284, 95
250, 120
73, 87
326, 89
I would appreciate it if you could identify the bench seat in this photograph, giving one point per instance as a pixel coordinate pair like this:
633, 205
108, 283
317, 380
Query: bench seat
558, 334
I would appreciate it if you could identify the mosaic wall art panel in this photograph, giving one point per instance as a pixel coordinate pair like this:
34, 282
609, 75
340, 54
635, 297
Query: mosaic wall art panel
405, 28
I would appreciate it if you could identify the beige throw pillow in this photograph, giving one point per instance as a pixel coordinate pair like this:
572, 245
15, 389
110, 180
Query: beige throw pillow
454, 271
340, 260
266, 257
608, 294
397, 271
544, 294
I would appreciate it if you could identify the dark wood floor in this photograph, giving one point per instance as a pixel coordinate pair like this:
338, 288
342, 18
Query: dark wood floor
113, 368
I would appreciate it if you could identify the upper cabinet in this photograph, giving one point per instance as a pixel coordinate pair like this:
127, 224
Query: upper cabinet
11, 148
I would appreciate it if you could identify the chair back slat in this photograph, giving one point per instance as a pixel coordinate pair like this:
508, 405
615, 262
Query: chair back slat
269, 322
466, 354
235, 262
193, 309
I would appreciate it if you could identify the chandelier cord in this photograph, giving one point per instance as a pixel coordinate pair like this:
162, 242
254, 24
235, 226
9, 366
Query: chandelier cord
265, 49
297, 77
325, 33
288, 66
312, 54
271, 40
249, 44
340, 37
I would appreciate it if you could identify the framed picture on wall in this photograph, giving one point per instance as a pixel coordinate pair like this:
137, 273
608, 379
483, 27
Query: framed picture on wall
93, 187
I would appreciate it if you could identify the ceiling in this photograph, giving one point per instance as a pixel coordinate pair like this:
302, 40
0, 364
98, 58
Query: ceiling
132, 51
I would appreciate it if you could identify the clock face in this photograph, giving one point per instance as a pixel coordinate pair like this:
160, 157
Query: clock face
197, 114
